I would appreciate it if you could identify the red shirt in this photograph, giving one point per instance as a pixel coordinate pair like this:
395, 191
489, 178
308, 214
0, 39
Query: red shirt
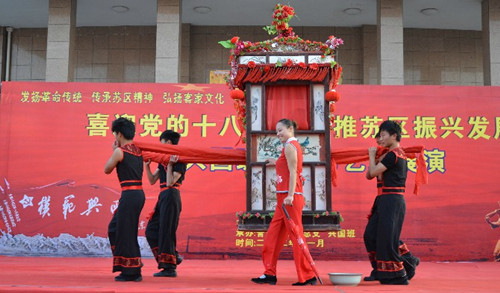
282, 172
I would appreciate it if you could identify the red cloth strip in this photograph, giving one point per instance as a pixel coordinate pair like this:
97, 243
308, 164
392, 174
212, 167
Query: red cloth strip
356, 155
160, 153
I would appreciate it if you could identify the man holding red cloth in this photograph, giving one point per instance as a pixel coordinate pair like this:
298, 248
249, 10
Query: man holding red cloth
410, 262
162, 226
383, 230
122, 230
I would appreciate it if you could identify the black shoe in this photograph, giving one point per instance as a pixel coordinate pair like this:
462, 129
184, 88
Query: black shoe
178, 258
128, 278
395, 281
166, 273
410, 271
311, 281
371, 277
265, 279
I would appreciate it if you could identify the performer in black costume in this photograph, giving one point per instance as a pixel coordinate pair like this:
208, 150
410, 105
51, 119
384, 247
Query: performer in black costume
162, 227
410, 262
384, 226
122, 229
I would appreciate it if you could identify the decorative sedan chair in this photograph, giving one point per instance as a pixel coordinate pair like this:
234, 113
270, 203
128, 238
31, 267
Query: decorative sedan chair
291, 85
285, 77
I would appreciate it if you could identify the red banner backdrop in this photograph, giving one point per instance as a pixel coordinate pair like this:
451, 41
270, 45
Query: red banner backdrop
56, 138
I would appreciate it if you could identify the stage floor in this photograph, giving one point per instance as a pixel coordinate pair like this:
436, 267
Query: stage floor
53, 274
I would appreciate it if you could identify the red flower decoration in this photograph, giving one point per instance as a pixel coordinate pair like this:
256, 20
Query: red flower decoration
333, 107
251, 64
332, 96
302, 64
234, 40
314, 66
267, 68
237, 94
289, 62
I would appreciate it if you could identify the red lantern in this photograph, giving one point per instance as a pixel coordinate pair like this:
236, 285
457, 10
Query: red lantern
332, 96
237, 94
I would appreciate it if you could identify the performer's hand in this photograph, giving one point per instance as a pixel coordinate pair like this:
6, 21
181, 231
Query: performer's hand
288, 200
115, 145
372, 151
270, 162
173, 159
147, 163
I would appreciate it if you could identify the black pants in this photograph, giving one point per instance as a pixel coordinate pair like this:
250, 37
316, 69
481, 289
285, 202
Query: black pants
382, 234
162, 228
122, 233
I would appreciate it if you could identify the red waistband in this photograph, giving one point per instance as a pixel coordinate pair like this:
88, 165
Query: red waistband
392, 193
132, 187
175, 186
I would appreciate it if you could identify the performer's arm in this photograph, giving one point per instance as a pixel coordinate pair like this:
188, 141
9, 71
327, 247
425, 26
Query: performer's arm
374, 169
291, 160
495, 224
115, 158
376, 162
489, 215
172, 176
152, 177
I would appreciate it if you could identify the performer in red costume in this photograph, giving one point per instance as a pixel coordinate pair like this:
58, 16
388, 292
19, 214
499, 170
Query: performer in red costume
122, 230
384, 226
162, 227
289, 192
410, 262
